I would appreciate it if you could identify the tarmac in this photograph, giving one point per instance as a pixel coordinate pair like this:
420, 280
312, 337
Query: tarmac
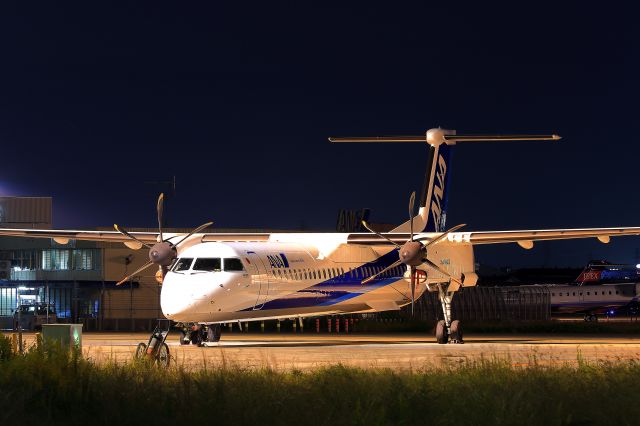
308, 351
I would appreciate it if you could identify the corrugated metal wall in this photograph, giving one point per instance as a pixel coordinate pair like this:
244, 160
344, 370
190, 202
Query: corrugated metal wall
490, 303
26, 212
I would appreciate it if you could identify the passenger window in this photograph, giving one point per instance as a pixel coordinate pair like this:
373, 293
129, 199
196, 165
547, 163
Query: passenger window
609, 293
553, 294
324, 274
183, 264
616, 291
588, 294
233, 265
574, 293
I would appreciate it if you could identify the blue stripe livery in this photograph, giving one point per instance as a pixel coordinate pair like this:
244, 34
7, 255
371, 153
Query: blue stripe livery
341, 287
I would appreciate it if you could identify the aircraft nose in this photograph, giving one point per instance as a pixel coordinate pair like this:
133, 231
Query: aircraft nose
174, 302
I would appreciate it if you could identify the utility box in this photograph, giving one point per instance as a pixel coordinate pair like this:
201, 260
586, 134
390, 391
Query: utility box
68, 336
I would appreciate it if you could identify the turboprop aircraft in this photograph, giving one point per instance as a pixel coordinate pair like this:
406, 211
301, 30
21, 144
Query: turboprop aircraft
213, 278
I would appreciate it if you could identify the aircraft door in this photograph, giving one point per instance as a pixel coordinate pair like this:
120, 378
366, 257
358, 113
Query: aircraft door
259, 277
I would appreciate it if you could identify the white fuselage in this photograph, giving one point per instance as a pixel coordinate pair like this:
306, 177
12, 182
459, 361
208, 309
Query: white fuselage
289, 279
597, 298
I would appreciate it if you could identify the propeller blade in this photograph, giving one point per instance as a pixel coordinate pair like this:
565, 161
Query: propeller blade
412, 201
441, 236
373, 277
126, 234
364, 223
137, 271
160, 208
442, 271
413, 289
195, 231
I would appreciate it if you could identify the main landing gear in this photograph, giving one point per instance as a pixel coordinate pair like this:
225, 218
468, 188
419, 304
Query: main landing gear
199, 334
447, 331
591, 317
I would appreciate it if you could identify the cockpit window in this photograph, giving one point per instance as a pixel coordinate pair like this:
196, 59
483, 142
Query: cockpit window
233, 264
183, 264
208, 264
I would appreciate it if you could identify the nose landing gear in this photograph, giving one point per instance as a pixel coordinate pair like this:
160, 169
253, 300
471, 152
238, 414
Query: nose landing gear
199, 334
590, 317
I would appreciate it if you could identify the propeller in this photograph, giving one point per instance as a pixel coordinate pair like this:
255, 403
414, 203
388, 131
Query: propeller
413, 253
164, 252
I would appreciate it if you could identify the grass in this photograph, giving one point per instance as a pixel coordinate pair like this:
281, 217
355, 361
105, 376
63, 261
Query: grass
55, 387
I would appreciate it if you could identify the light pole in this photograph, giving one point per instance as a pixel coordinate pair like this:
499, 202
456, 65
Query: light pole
19, 320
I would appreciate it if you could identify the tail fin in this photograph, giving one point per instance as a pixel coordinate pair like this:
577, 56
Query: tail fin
432, 215
435, 190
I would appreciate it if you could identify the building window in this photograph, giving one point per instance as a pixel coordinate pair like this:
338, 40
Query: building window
55, 260
83, 260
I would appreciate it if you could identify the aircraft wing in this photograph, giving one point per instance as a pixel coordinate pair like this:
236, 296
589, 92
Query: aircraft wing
524, 237
116, 237
64, 234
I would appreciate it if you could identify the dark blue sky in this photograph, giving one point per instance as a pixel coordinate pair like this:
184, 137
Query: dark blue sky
96, 100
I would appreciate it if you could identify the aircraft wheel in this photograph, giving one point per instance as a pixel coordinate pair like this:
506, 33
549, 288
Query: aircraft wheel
456, 331
141, 350
442, 336
184, 338
163, 357
196, 337
214, 333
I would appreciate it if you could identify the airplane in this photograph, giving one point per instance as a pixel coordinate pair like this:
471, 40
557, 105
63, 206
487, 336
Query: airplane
214, 278
601, 272
601, 288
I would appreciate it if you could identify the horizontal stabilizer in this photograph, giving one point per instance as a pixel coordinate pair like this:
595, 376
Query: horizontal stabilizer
448, 138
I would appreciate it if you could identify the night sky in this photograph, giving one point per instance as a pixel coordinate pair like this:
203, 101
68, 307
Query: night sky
98, 102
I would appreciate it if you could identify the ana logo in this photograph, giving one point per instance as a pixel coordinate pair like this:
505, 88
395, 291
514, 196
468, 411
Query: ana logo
438, 193
278, 260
